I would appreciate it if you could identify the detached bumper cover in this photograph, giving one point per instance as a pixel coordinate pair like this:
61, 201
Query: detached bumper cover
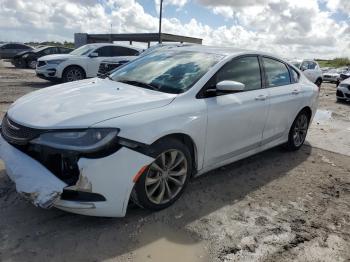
110, 176
32, 179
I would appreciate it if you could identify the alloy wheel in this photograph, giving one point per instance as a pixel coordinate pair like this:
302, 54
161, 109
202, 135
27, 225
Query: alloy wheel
74, 74
166, 176
32, 64
300, 130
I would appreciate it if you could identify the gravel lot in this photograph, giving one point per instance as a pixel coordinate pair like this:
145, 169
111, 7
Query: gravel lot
273, 206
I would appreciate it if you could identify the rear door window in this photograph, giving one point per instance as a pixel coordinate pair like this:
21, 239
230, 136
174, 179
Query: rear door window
295, 75
277, 73
104, 51
123, 51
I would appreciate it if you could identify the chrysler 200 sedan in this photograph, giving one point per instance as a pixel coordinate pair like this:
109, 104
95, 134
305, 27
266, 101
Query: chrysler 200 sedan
89, 147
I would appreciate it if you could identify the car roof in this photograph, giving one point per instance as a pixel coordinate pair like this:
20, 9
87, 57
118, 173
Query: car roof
225, 51
301, 60
111, 44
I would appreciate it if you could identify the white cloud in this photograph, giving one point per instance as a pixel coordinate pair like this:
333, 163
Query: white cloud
288, 28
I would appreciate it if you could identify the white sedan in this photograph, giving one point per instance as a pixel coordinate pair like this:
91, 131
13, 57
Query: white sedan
88, 147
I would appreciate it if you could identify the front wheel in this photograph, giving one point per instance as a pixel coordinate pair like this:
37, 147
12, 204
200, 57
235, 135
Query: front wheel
32, 64
298, 131
73, 73
163, 182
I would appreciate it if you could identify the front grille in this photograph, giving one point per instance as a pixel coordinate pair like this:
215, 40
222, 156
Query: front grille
18, 134
61, 163
106, 68
41, 63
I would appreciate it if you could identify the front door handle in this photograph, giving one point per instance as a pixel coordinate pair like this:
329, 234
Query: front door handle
261, 97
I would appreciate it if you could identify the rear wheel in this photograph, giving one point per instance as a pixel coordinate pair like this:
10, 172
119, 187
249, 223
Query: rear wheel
163, 182
73, 73
298, 131
19, 63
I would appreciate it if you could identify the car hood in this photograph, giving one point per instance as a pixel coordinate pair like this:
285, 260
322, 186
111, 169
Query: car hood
84, 103
346, 81
55, 57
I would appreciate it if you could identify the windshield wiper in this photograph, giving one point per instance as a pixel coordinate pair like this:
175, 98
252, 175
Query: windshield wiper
140, 84
105, 75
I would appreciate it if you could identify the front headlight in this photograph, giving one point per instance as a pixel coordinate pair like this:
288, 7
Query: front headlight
83, 141
55, 62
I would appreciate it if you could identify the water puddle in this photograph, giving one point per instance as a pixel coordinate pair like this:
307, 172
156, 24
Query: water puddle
158, 242
323, 115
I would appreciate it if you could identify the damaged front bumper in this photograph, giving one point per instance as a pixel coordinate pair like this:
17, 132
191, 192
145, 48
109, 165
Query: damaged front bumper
32, 179
110, 177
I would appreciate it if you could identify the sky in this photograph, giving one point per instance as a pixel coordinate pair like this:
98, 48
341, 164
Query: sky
288, 28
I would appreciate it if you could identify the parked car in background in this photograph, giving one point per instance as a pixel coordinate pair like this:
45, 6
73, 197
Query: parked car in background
344, 75
9, 50
343, 90
326, 69
83, 62
310, 69
90, 146
29, 58
107, 66
332, 75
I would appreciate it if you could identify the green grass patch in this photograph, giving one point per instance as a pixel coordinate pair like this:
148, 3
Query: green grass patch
337, 62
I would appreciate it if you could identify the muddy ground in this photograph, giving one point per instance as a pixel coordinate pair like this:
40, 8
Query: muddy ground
274, 206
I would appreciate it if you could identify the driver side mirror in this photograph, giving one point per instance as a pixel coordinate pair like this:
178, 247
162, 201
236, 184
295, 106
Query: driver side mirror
230, 86
93, 54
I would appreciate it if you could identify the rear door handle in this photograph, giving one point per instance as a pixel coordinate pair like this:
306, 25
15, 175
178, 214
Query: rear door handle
261, 97
295, 91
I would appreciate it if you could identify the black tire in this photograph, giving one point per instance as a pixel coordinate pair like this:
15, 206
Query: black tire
31, 64
73, 73
19, 63
318, 82
292, 144
140, 195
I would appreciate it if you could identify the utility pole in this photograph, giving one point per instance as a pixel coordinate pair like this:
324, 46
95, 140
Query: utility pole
110, 36
160, 21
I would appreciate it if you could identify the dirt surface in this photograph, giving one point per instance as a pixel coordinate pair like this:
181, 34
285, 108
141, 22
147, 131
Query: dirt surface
274, 206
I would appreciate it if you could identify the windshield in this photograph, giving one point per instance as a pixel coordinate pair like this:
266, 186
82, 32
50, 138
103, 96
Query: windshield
83, 50
171, 71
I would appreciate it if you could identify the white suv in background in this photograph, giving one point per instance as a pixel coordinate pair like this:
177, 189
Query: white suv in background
83, 62
310, 69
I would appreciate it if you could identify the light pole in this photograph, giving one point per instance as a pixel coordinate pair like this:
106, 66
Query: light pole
160, 21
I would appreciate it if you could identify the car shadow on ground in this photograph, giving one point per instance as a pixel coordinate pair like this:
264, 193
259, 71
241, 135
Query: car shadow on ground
56, 235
